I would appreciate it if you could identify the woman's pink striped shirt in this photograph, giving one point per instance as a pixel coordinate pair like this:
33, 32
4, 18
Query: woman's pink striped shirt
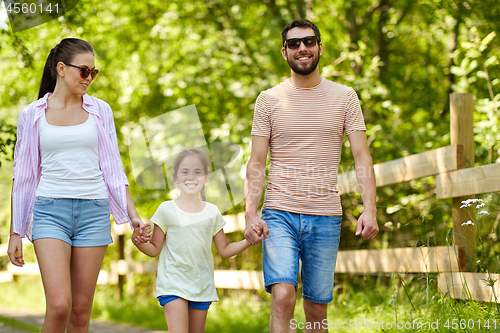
27, 162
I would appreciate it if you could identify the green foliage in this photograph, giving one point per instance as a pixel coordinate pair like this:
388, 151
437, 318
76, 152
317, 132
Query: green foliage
7, 141
25, 293
477, 69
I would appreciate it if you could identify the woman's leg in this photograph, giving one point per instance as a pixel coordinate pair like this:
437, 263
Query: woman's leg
54, 257
177, 316
197, 320
86, 263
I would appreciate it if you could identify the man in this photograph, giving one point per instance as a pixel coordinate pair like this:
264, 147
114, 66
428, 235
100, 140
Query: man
302, 122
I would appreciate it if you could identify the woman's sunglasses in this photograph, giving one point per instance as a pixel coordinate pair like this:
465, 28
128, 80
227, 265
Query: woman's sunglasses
294, 43
85, 71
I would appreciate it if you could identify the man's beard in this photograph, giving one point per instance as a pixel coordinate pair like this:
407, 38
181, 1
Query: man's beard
300, 69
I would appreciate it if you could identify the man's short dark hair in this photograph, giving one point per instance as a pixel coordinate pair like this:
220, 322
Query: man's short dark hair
302, 23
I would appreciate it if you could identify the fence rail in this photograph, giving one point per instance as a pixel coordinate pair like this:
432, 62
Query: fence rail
430, 163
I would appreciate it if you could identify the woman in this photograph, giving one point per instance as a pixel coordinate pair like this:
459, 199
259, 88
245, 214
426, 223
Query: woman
68, 175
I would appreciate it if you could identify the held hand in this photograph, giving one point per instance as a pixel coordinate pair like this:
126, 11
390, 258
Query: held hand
15, 250
147, 233
137, 222
136, 236
256, 229
145, 229
142, 234
367, 226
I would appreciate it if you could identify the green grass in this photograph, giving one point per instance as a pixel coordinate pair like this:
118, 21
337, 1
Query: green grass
25, 293
4, 321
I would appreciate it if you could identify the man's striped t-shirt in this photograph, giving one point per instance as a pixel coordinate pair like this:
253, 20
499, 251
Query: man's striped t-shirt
305, 128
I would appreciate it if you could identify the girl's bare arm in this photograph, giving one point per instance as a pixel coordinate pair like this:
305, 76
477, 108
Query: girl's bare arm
227, 249
153, 247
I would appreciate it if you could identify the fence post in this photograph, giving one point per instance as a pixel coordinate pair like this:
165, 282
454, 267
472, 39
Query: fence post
121, 256
462, 133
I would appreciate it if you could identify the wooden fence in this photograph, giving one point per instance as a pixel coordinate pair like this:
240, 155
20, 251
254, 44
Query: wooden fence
455, 178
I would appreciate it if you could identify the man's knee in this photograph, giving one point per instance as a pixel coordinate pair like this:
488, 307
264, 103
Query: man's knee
315, 311
283, 295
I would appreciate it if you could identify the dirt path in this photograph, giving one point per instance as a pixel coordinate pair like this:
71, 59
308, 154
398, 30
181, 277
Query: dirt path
96, 326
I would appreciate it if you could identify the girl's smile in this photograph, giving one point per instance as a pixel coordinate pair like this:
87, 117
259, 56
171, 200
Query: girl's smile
191, 175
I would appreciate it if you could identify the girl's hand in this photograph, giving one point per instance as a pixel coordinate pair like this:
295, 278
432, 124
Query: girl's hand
142, 235
147, 232
252, 233
257, 228
15, 250
136, 236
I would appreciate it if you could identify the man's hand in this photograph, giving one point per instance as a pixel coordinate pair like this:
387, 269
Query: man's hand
256, 229
15, 250
367, 226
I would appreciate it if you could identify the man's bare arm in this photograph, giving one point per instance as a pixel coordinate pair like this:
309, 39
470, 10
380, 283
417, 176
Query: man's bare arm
367, 222
254, 185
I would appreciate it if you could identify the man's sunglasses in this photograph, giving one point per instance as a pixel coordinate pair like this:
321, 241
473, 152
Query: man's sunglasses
85, 71
294, 43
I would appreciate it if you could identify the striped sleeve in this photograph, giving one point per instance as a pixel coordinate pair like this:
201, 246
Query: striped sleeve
261, 120
111, 165
113, 148
21, 123
354, 120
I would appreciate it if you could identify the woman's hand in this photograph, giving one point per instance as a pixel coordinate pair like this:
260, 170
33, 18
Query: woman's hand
137, 223
15, 250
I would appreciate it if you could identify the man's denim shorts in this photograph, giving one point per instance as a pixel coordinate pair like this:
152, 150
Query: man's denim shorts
192, 304
78, 222
312, 238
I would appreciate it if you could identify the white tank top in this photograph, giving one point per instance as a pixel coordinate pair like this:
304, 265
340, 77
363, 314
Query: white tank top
70, 161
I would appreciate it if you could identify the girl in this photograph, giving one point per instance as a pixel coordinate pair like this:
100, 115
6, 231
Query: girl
69, 176
183, 233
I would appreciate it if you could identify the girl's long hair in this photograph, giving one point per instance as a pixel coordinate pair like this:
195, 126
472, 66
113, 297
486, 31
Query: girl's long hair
65, 51
204, 161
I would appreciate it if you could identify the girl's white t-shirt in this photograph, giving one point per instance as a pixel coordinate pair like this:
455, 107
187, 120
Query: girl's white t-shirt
186, 264
70, 161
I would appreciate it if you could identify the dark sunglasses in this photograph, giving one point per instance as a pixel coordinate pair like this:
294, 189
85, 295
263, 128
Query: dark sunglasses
85, 71
294, 43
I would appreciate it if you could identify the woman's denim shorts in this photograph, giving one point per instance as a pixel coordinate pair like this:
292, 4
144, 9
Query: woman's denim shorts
78, 222
313, 239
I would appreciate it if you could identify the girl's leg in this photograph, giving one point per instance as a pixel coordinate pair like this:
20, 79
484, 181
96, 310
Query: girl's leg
177, 316
197, 320
86, 263
54, 258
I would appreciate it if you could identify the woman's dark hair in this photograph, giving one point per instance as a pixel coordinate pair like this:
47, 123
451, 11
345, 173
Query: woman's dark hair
65, 51
302, 23
203, 159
